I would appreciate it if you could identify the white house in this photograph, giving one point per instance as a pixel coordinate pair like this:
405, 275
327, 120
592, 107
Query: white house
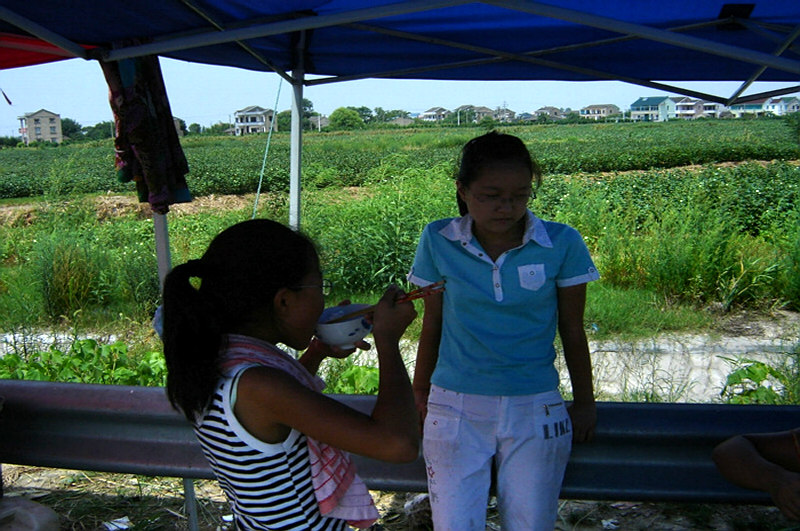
435, 114
253, 119
782, 106
653, 109
599, 111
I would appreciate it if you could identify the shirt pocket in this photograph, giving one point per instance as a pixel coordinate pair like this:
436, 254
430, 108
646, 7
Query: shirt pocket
531, 276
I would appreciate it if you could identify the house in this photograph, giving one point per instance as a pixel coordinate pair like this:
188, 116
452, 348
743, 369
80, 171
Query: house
504, 114
751, 108
782, 106
402, 121
40, 126
599, 111
691, 108
472, 114
253, 119
318, 121
653, 109
178, 123
552, 113
435, 114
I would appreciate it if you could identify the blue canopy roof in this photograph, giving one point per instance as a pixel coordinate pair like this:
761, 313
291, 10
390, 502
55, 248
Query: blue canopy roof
574, 40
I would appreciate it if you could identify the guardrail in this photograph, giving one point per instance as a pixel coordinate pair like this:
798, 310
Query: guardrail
641, 452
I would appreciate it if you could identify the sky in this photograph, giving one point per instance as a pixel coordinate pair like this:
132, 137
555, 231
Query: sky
207, 94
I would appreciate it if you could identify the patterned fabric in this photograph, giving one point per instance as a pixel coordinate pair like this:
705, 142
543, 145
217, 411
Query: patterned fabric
147, 148
339, 491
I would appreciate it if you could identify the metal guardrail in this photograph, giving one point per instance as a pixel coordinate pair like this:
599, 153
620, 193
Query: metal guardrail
641, 452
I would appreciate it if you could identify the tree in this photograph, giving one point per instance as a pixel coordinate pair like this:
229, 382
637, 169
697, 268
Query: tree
364, 112
383, 116
195, 129
71, 129
346, 118
285, 120
9, 141
99, 130
218, 128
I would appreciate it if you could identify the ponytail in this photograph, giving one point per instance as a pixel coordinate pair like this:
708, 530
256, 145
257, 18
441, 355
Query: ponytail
192, 336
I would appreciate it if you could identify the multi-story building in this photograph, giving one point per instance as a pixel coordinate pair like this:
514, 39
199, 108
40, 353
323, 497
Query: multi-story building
553, 113
653, 109
691, 108
471, 114
434, 114
40, 126
504, 114
253, 119
751, 108
600, 111
782, 106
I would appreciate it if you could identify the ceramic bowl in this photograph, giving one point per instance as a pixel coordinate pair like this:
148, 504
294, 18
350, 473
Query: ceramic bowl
345, 334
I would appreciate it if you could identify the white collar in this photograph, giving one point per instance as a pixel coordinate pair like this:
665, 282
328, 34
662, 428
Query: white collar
460, 229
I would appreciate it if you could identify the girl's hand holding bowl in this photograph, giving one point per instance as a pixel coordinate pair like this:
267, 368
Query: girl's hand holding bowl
345, 335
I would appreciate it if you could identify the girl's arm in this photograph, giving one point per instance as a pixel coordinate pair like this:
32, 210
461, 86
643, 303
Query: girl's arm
270, 402
769, 462
571, 305
427, 352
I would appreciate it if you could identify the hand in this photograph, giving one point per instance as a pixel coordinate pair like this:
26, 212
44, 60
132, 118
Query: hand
584, 418
391, 319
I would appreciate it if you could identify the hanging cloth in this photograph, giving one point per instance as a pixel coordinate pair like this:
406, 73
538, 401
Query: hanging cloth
147, 150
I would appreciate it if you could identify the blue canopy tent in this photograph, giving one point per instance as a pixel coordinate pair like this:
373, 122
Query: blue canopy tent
646, 43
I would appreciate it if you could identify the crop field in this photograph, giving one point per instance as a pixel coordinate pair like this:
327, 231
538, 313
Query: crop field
682, 218
232, 165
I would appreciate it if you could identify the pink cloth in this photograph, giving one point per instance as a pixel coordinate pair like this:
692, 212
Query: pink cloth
339, 491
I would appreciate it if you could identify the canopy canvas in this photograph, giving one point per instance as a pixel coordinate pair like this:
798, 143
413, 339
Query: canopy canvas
571, 40
313, 42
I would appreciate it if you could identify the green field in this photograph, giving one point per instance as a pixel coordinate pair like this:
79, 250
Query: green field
232, 165
681, 218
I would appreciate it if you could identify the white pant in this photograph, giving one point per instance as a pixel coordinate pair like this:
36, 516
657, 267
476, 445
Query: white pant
529, 438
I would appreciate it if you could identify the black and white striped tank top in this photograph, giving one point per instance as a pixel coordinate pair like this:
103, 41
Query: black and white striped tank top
268, 485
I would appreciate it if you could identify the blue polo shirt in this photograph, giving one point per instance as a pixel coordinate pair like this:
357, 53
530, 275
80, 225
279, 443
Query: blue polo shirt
499, 319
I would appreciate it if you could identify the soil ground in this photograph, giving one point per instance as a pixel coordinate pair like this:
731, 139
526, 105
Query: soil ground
90, 501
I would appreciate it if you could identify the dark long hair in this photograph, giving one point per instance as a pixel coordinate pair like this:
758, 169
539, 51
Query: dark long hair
239, 274
488, 149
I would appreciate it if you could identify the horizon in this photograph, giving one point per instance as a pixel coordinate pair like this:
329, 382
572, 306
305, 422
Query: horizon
209, 94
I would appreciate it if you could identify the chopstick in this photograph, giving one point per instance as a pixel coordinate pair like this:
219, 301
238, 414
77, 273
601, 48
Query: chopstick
430, 289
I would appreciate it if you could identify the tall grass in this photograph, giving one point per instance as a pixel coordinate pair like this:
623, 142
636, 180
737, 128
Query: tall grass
668, 242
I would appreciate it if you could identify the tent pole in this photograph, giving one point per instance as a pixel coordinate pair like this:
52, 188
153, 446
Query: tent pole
298, 76
162, 246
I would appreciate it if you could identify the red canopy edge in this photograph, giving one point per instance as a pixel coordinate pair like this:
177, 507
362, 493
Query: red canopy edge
30, 51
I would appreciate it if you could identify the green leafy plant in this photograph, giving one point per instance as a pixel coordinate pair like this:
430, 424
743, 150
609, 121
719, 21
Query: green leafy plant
86, 361
345, 377
759, 382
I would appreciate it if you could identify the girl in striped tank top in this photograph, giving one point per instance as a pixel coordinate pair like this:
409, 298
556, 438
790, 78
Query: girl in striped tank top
278, 446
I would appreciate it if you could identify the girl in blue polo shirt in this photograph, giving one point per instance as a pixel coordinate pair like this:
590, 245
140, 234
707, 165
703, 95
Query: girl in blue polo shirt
485, 380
